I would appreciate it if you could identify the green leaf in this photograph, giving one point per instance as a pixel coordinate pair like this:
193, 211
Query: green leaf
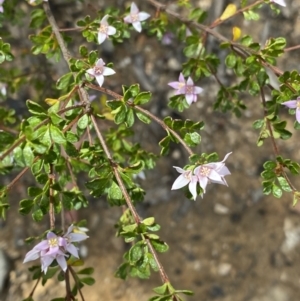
161, 290
35, 109
26, 206
28, 155
86, 271
276, 191
57, 135
135, 253
34, 191
122, 271
88, 280
71, 149
186, 292
149, 221
37, 215
115, 192
142, 117
65, 81
284, 184
230, 60
83, 50
5, 139
192, 139
159, 246
130, 118
83, 122
142, 98
257, 124
270, 165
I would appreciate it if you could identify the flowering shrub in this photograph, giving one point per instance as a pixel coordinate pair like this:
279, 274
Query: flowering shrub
65, 136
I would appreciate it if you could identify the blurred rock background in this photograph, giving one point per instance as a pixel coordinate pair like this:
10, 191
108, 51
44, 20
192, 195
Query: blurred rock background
235, 244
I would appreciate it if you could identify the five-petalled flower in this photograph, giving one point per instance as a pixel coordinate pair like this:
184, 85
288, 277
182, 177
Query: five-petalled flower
204, 174
105, 30
294, 104
135, 17
56, 248
279, 2
99, 71
186, 88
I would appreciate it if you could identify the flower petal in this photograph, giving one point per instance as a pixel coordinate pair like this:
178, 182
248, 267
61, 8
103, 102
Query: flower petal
61, 260
72, 250
193, 188
91, 71
100, 79
298, 115
108, 71
127, 19
189, 98
197, 90
190, 82
180, 182
101, 37
133, 8
203, 181
104, 20
137, 25
111, 30
75, 237
179, 169
143, 16
32, 255
292, 104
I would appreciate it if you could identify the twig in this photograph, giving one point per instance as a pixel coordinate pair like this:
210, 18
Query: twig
134, 213
144, 111
51, 198
35, 286
76, 281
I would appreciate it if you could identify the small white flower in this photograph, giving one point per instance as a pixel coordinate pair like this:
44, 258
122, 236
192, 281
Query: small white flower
99, 71
214, 172
105, 30
135, 17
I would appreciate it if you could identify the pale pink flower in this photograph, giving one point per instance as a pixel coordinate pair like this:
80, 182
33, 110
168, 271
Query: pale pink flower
186, 88
212, 173
99, 71
294, 104
55, 248
135, 17
279, 2
105, 30
185, 178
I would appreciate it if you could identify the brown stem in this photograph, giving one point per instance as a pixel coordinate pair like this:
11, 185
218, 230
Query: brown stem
132, 209
20, 175
51, 198
275, 147
292, 48
69, 295
76, 281
35, 286
165, 127
146, 112
239, 11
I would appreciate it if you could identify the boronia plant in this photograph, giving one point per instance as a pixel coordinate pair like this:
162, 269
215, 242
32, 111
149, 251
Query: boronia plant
65, 136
